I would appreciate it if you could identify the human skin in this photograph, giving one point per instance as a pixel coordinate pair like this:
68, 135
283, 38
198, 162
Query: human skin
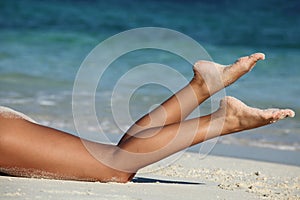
30, 149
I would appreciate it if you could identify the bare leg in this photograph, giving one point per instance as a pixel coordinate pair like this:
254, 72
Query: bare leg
162, 142
209, 78
29, 149
32, 150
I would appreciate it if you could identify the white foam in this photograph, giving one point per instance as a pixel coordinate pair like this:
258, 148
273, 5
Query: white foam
10, 113
46, 103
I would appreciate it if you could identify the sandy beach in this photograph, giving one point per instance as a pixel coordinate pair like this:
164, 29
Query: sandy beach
44, 45
188, 178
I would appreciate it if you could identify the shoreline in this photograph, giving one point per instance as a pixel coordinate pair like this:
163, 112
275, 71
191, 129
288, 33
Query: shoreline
263, 154
188, 177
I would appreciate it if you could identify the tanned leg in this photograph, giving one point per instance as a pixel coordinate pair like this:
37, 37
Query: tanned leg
31, 150
209, 78
154, 144
28, 149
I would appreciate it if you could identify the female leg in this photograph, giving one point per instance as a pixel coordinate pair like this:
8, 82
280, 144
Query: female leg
30, 149
154, 144
208, 79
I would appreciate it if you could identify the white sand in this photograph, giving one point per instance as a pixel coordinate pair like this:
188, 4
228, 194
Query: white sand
10, 113
188, 178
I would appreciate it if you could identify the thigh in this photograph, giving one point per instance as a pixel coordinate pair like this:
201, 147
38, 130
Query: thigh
29, 149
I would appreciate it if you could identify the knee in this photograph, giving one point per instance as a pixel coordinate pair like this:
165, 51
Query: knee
127, 177
115, 166
121, 177
110, 168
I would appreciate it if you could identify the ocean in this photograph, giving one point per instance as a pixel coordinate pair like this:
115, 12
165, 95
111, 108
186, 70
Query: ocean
44, 43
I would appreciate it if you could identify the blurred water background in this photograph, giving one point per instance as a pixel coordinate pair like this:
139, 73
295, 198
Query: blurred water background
43, 43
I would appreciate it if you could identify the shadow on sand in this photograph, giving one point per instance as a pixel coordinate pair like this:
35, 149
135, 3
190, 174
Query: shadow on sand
147, 180
151, 180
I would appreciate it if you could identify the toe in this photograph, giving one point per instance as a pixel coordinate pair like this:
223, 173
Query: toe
248, 62
252, 59
292, 114
281, 114
257, 56
289, 113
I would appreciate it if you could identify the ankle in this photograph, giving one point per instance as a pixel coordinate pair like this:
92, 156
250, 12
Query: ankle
199, 89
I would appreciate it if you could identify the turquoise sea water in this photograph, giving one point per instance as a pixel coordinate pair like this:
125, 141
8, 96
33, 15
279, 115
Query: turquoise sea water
42, 45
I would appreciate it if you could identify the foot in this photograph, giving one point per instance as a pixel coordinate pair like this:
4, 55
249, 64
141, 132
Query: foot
214, 77
239, 116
